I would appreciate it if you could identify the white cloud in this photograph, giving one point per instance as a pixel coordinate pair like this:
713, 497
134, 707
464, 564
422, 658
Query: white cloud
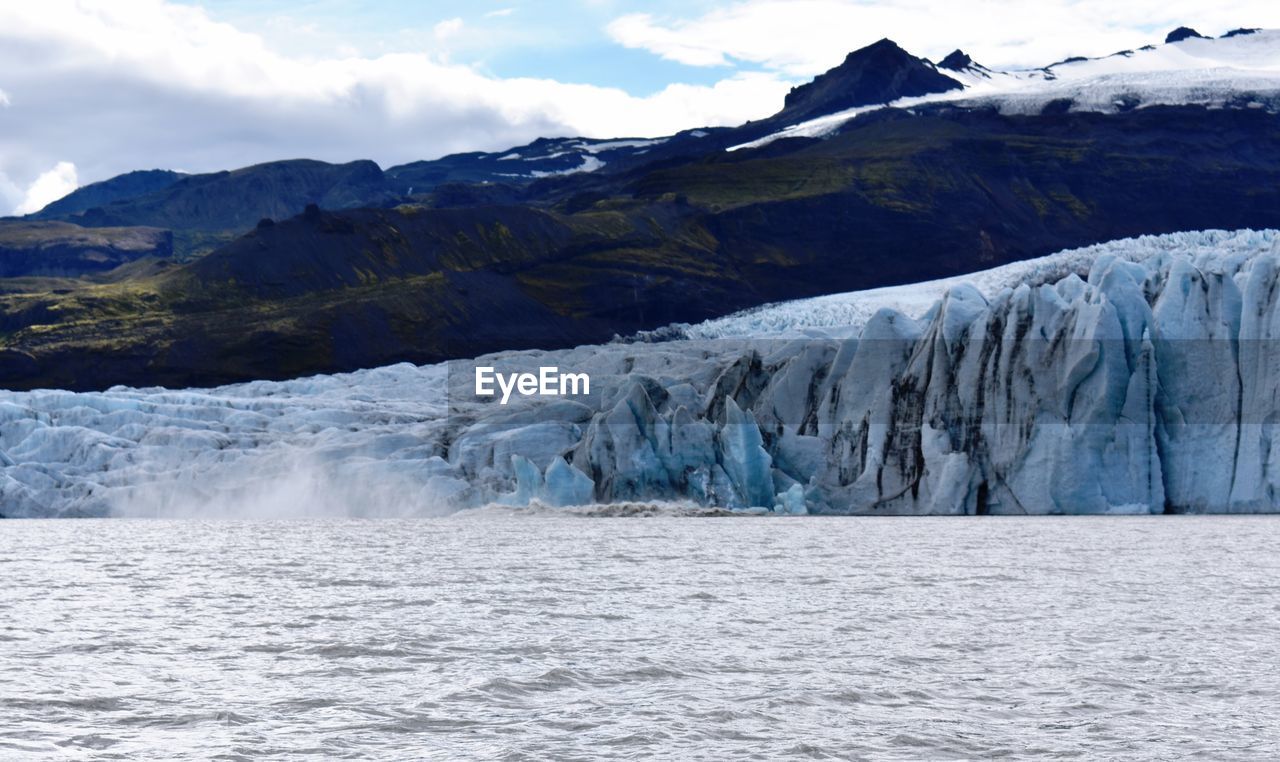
11, 194
447, 28
686, 42
49, 187
499, 13
116, 85
802, 38
4, 98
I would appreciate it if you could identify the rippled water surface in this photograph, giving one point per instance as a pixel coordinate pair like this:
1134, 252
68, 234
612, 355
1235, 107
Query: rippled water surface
513, 637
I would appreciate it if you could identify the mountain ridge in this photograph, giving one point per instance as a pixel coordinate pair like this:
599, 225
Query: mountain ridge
872, 76
118, 188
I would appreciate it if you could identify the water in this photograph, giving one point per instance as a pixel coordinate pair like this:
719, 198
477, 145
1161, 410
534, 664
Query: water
534, 637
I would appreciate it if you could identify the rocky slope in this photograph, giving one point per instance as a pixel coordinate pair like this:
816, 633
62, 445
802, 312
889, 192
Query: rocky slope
895, 197
237, 200
880, 73
120, 188
59, 249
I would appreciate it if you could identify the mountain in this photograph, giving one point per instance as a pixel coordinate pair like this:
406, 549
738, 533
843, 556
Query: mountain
59, 249
893, 198
207, 210
1240, 69
234, 201
237, 200
544, 158
119, 188
956, 60
879, 73
693, 226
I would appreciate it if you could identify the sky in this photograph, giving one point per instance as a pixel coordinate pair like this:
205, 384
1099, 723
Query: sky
93, 88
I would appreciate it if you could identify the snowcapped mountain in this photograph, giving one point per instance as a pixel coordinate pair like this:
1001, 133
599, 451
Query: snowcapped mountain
1137, 376
879, 73
1239, 70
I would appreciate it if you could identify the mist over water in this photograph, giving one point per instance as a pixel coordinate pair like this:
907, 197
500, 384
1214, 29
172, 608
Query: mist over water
526, 635
287, 483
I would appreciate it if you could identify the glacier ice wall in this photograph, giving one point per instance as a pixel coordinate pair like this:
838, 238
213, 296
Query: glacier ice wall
1140, 376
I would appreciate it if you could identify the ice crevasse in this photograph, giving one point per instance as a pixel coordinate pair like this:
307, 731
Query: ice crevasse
1140, 376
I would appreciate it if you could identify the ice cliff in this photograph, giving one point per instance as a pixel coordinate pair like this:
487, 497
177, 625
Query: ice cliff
1139, 376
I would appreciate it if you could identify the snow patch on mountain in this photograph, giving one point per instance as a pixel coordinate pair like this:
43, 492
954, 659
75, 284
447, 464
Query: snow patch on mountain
589, 164
613, 145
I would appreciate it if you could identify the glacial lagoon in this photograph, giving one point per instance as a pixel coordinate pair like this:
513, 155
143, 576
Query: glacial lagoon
530, 635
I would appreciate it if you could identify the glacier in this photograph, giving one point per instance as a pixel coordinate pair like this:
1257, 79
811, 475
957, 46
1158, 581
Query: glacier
1137, 376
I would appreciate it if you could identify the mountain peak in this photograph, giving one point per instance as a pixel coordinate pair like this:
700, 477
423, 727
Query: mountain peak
1183, 33
956, 60
883, 44
878, 73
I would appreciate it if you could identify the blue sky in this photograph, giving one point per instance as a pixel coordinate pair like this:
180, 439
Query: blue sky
94, 88
565, 41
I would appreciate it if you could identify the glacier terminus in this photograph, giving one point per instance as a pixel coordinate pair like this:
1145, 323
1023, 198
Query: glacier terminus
1138, 376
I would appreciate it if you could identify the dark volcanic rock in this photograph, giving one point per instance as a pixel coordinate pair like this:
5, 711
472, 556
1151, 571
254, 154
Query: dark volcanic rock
61, 249
879, 73
1183, 33
236, 200
956, 60
119, 188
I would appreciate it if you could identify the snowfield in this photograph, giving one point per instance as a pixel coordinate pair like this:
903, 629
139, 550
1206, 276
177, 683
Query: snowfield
1136, 376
